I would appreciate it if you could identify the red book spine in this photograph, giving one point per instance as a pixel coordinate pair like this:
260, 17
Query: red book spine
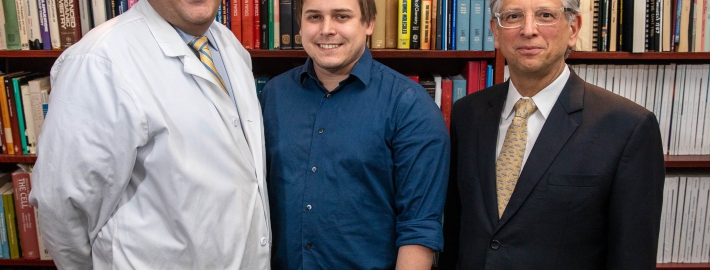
257, 25
25, 215
447, 95
248, 24
236, 20
470, 72
483, 76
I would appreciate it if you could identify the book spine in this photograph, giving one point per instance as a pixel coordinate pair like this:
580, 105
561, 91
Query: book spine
98, 8
462, 25
12, 112
452, 33
44, 25
20, 116
426, 25
378, 32
391, 19
285, 28
33, 25
264, 22
3, 38
43, 252
53, 25
29, 119
85, 20
22, 24
414, 24
4, 247
440, 21
236, 20
256, 25
69, 31
276, 40
488, 42
11, 220
36, 103
476, 26
25, 215
12, 30
403, 34
247, 24
272, 24
432, 32
295, 28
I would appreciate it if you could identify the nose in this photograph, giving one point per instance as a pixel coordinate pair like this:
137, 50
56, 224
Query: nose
328, 27
529, 27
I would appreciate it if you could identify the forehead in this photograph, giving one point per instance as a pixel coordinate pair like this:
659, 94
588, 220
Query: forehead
529, 4
331, 5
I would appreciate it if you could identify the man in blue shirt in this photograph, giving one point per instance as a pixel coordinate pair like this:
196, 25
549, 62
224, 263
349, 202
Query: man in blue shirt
357, 153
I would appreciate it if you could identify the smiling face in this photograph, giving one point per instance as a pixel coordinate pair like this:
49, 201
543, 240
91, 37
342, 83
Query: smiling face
192, 16
532, 49
334, 35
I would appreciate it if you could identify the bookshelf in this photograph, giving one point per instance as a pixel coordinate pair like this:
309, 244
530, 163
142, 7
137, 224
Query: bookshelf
273, 62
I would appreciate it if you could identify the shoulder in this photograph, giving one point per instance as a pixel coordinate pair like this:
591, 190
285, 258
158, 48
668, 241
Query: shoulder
602, 102
286, 80
482, 99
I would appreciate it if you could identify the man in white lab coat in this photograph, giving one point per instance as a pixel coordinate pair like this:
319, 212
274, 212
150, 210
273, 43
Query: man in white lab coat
151, 155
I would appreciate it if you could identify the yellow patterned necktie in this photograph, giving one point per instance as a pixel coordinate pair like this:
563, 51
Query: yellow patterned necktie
200, 45
510, 160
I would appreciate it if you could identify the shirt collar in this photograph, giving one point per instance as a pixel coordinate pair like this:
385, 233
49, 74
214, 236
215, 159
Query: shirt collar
187, 38
544, 100
361, 70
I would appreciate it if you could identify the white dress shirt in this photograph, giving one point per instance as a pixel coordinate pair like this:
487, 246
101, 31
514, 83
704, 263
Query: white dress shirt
544, 100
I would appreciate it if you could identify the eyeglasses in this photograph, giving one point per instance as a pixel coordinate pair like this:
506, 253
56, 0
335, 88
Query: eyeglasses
543, 16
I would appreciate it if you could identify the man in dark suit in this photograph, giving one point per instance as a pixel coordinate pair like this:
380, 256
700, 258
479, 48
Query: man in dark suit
547, 171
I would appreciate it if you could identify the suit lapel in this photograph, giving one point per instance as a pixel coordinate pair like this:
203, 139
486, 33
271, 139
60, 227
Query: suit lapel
558, 128
487, 140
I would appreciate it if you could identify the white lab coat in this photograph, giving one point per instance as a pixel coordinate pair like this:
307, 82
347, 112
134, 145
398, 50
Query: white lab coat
136, 165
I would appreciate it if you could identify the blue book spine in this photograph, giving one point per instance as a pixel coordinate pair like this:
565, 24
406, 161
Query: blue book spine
462, 21
454, 12
4, 246
489, 79
488, 44
676, 35
444, 23
459, 87
476, 25
44, 24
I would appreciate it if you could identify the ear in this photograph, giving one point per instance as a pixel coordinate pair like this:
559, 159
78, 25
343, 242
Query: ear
370, 26
494, 28
574, 30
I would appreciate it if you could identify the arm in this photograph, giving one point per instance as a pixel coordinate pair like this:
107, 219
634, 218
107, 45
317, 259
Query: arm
85, 156
636, 200
421, 159
414, 257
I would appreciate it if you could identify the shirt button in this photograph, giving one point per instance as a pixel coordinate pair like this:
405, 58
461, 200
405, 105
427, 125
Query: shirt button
308, 245
263, 241
314, 169
328, 96
235, 122
308, 207
320, 130
495, 244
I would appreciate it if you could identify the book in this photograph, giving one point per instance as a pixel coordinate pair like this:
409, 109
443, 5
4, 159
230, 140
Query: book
21, 10
8, 200
414, 24
437, 90
4, 246
29, 119
427, 81
471, 72
36, 87
12, 29
256, 24
285, 29
69, 27
459, 87
432, 19
235, 22
447, 95
403, 25
33, 26
476, 26
25, 215
488, 39
276, 40
296, 30
391, 18
43, 252
11, 127
44, 24
21, 121
378, 32
53, 21
98, 11
3, 38
462, 24
426, 25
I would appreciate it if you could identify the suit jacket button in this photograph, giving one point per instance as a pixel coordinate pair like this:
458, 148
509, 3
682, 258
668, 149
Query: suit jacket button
495, 244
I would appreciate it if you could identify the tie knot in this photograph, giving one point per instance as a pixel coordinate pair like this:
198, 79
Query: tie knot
524, 108
198, 43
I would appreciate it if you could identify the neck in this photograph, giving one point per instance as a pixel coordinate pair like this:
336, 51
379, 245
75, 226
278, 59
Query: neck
529, 84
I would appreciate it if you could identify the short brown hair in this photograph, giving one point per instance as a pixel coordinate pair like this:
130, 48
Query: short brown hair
368, 11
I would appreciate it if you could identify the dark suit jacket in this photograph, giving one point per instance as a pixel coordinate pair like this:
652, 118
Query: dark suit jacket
589, 196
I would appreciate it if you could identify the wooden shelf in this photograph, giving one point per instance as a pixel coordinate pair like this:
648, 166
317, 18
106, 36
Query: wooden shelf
688, 161
18, 158
698, 266
30, 54
674, 56
23, 262
387, 53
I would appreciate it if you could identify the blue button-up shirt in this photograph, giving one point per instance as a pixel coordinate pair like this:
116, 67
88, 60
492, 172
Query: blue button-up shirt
355, 173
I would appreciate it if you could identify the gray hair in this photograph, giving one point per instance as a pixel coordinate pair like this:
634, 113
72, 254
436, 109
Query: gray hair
572, 4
